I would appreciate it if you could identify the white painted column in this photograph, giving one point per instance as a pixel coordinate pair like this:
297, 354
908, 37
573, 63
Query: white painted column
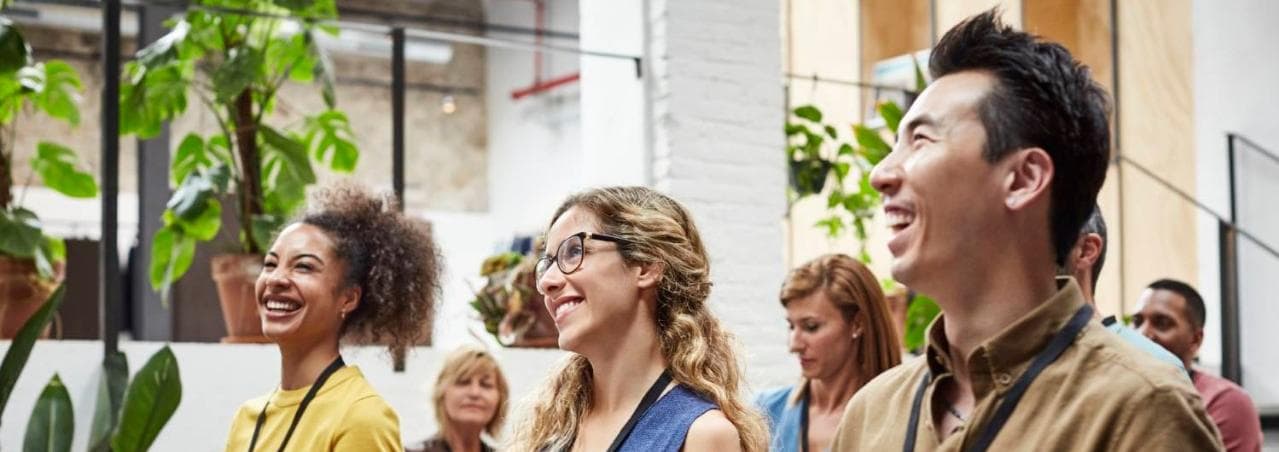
716, 105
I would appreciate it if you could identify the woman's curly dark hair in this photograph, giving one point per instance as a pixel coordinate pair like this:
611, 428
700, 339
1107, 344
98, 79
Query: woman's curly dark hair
391, 257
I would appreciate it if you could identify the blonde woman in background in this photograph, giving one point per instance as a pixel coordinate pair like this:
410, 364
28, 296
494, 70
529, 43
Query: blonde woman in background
470, 399
626, 278
841, 330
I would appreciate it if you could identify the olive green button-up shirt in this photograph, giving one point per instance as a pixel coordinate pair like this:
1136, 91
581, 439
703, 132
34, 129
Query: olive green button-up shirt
1100, 394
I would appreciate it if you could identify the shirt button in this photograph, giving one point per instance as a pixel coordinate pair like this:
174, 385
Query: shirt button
1003, 378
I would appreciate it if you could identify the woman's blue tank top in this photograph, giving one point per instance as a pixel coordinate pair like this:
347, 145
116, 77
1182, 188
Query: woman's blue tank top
664, 425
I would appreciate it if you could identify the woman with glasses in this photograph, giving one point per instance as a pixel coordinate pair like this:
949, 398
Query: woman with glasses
352, 267
841, 330
626, 278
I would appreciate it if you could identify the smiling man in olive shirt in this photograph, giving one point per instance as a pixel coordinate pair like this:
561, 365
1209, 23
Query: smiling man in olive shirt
996, 167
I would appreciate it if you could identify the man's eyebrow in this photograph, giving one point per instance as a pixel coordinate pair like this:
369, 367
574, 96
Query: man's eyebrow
919, 121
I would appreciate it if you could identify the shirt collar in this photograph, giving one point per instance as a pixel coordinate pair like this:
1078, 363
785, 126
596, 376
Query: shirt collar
996, 361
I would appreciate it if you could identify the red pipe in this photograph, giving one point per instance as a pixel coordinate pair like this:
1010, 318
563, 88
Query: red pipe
545, 85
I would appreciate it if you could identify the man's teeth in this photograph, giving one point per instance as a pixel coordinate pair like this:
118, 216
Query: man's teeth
279, 305
897, 218
565, 307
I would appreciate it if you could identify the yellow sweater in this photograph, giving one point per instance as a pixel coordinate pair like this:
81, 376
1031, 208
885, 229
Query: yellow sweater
346, 415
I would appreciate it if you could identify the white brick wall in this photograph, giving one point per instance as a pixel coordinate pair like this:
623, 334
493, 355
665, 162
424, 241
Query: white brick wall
716, 98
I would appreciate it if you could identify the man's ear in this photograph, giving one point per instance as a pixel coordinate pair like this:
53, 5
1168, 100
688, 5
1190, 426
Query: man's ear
1029, 178
649, 274
1089, 250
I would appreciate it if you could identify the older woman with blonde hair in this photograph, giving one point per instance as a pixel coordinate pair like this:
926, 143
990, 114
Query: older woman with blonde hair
470, 399
626, 278
841, 330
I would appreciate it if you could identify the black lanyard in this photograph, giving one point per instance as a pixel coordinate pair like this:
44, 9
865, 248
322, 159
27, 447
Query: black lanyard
1050, 353
650, 397
306, 401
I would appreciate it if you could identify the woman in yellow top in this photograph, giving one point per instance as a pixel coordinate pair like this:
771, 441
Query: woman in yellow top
355, 267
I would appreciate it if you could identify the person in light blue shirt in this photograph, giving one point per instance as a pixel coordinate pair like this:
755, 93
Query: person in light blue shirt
843, 335
1084, 264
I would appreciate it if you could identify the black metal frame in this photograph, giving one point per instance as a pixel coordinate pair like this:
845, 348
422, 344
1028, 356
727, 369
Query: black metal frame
111, 294
1228, 255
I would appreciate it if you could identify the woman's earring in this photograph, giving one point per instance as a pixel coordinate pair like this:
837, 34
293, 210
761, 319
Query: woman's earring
343, 314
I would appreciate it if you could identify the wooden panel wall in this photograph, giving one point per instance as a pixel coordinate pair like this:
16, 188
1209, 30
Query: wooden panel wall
1156, 130
1084, 27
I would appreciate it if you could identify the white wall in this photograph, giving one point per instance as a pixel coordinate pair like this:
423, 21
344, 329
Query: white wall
535, 152
716, 101
1235, 68
217, 378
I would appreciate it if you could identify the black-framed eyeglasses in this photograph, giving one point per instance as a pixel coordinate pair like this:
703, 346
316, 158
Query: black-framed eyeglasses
569, 254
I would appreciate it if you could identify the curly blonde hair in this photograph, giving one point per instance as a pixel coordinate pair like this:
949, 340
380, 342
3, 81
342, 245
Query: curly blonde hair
700, 352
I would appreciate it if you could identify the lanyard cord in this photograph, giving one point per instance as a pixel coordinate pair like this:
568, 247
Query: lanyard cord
1004, 410
306, 401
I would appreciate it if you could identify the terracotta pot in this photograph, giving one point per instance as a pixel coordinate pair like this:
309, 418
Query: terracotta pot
22, 292
234, 275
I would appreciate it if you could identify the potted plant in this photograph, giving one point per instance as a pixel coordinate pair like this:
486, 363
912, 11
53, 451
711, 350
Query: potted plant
128, 415
234, 62
509, 305
30, 260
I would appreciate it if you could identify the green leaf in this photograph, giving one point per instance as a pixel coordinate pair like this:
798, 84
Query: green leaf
841, 170
19, 233
846, 149
809, 112
56, 165
331, 140
52, 422
188, 157
892, 115
165, 50
20, 348
920, 82
265, 227
14, 51
236, 73
106, 414
192, 197
150, 99
50, 251
58, 95
295, 5
833, 224
149, 402
795, 129
290, 150
873, 145
919, 315
830, 131
203, 227
171, 254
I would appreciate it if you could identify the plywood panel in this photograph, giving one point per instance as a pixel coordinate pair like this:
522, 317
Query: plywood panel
823, 39
1156, 130
1084, 27
952, 12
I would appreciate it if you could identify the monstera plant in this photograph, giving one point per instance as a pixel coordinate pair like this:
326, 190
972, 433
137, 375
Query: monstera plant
28, 256
232, 57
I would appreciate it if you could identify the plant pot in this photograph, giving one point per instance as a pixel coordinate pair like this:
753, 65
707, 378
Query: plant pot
234, 275
808, 177
22, 292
